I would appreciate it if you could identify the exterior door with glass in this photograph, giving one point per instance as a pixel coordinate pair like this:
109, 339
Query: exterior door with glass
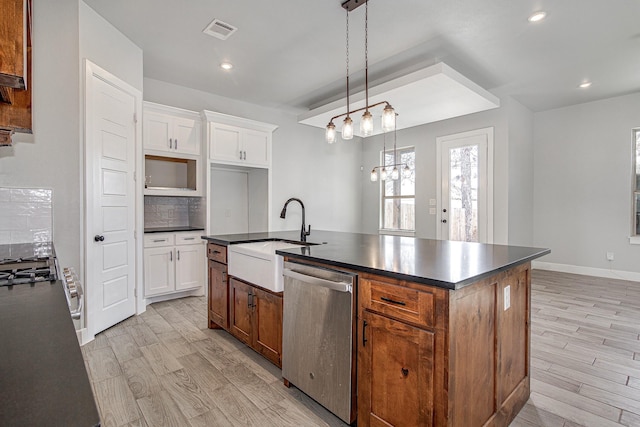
465, 186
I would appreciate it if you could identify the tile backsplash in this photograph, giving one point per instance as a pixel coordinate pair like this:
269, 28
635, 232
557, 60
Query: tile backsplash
26, 215
162, 211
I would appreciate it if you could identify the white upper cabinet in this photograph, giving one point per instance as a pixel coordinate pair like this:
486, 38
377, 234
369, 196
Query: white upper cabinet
171, 130
238, 141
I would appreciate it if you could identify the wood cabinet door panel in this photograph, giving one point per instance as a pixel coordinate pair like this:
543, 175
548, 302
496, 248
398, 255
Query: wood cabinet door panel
256, 147
156, 131
224, 143
159, 273
267, 325
240, 310
186, 135
395, 373
218, 294
189, 266
513, 343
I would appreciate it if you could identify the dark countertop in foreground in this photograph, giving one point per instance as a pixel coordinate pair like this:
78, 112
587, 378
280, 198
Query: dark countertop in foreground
43, 379
443, 263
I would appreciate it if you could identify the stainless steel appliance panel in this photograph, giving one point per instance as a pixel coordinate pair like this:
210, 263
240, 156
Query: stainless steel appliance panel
317, 335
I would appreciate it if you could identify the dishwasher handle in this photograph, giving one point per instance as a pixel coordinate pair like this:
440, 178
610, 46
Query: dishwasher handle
317, 281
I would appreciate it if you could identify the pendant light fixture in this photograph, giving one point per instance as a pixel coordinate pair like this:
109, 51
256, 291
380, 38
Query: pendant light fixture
366, 123
394, 174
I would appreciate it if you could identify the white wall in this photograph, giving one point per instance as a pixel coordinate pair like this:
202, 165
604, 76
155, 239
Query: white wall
108, 48
521, 166
582, 183
50, 157
64, 32
424, 139
325, 177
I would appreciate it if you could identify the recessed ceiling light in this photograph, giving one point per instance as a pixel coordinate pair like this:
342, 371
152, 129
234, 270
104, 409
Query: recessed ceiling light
538, 16
584, 85
226, 65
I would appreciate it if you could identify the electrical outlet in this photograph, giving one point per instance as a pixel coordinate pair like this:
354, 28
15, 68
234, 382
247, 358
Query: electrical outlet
609, 256
432, 211
507, 297
432, 202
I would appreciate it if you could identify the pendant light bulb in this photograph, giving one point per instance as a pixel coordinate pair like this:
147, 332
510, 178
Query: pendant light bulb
374, 175
395, 174
383, 174
406, 172
388, 118
347, 129
366, 125
330, 133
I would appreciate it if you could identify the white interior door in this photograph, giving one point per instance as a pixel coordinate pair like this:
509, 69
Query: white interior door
110, 198
465, 186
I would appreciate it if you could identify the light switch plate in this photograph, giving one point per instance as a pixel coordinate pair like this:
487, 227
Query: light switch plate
507, 297
432, 211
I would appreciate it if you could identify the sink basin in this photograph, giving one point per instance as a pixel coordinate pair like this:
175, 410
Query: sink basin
258, 262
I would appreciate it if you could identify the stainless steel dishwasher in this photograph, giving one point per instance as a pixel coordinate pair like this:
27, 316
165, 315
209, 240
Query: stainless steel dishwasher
317, 342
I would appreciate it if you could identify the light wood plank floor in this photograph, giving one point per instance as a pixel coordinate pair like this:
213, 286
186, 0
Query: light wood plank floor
165, 368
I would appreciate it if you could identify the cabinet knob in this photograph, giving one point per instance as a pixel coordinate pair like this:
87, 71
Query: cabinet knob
444, 221
405, 372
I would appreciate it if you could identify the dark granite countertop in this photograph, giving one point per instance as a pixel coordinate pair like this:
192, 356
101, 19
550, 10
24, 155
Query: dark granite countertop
171, 229
442, 263
43, 379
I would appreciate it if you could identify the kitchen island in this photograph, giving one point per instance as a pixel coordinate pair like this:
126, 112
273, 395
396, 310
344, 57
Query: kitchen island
443, 327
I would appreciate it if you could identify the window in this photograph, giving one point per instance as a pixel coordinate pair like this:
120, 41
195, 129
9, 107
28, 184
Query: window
398, 207
636, 183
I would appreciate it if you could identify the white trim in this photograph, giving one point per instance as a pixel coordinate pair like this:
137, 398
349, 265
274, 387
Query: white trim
587, 271
634, 240
440, 140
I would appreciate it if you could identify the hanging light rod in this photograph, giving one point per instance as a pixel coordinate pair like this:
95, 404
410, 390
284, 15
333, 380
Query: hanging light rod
353, 4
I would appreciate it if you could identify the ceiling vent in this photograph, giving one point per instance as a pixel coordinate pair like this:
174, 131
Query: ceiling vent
219, 29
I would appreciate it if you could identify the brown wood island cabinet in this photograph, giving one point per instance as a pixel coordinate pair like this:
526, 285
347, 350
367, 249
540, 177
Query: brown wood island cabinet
218, 287
430, 356
251, 314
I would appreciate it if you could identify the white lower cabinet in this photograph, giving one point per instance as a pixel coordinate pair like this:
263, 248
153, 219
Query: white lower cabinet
173, 262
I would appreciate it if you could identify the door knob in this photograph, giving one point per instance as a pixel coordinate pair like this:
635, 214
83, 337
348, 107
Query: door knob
98, 238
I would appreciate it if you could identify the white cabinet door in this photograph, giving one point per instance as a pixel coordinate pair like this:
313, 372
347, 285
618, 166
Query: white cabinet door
257, 148
186, 136
157, 129
189, 266
225, 143
159, 270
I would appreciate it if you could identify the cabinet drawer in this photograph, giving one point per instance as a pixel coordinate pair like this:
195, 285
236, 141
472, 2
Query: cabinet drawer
154, 240
217, 253
399, 302
188, 238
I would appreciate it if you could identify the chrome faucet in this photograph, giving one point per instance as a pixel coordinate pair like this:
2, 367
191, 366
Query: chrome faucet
303, 233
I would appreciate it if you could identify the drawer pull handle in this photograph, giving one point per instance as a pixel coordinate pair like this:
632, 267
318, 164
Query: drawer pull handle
405, 372
216, 252
189, 238
159, 240
364, 335
392, 301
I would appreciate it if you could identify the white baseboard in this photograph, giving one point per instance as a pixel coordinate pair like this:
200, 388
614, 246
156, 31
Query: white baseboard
587, 271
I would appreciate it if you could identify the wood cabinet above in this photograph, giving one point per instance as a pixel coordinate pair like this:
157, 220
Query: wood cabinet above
15, 69
13, 44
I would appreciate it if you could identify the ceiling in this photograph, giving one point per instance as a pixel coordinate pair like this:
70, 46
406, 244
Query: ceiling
291, 54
